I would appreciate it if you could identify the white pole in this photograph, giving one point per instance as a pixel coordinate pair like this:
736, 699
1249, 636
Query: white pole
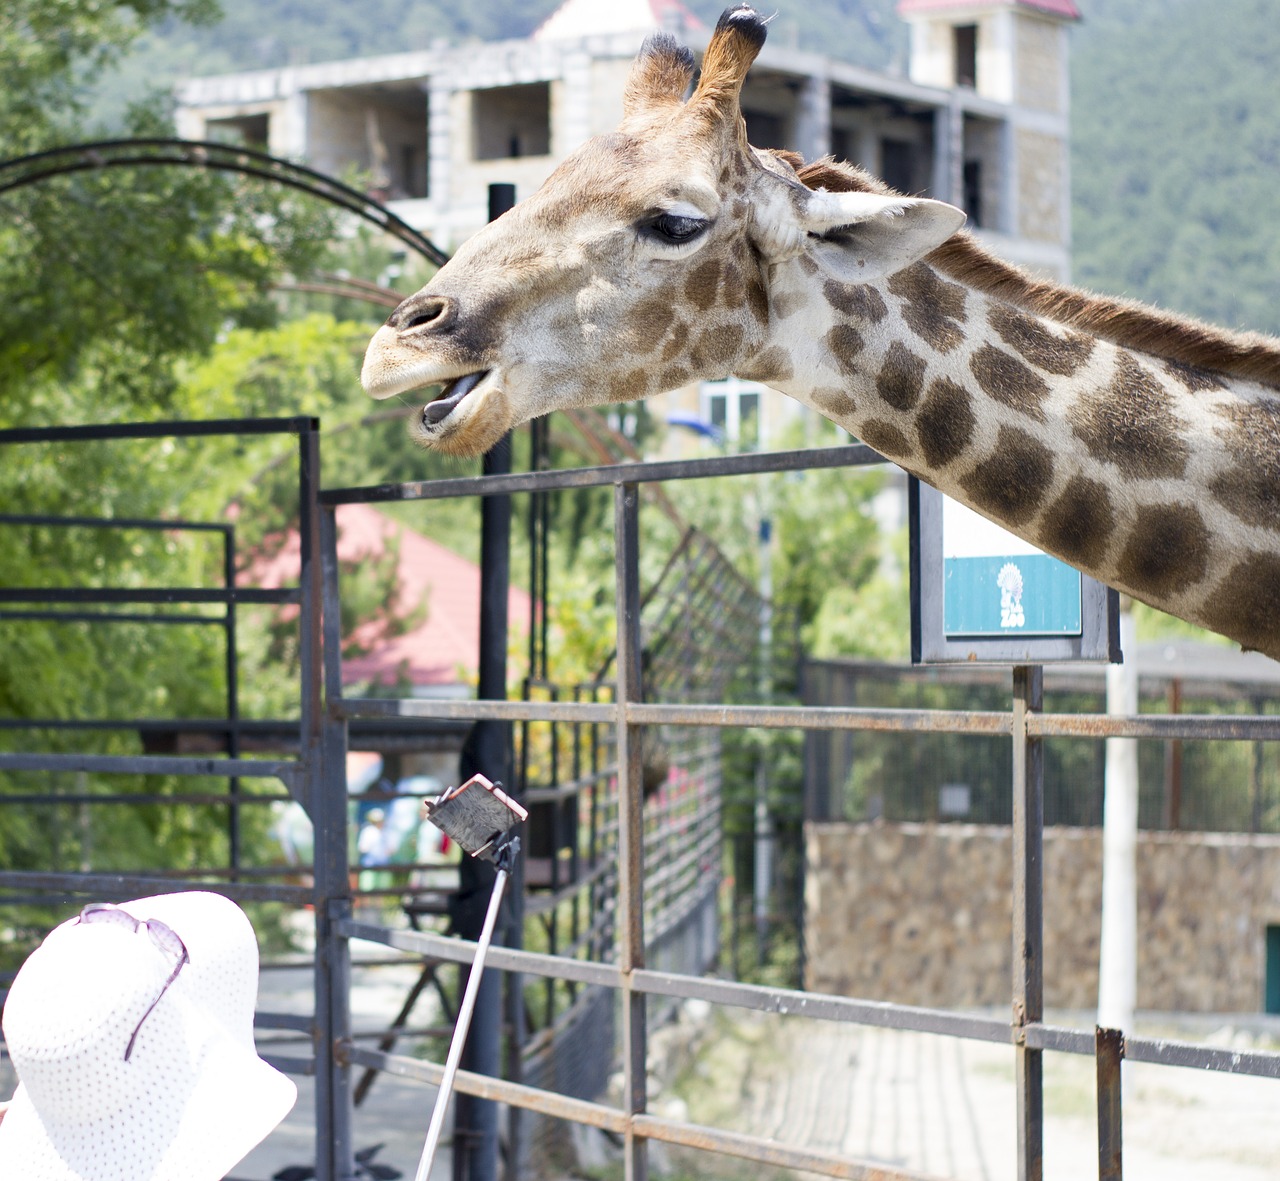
460, 1029
1117, 959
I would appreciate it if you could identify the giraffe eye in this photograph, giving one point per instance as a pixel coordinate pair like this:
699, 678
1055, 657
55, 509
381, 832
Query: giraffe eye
675, 228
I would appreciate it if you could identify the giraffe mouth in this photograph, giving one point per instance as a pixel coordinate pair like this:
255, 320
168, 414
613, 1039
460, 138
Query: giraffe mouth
451, 395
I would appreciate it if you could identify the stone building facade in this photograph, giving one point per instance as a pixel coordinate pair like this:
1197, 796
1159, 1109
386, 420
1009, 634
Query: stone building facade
922, 914
980, 120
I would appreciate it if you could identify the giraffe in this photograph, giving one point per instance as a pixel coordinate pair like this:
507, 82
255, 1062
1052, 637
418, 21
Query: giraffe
1138, 446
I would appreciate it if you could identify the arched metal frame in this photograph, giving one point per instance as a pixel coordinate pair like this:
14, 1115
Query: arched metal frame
184, 153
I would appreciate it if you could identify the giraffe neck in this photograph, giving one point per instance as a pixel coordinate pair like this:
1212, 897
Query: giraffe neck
1158, 479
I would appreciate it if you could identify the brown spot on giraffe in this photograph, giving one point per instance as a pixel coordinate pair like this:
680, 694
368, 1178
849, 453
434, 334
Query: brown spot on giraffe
1128, 423
1167, 550
1010, 483
717, 348
945, 422
932, 308
652, 317
1196, 380
757, 298
1246, 603
901, 377
855, 300
676, 340
774, 364
627, 387
673, 378
832, 400
1078, 525
1036, 344
1009, 381
886, 438
1250, 486
845, 344
703, 284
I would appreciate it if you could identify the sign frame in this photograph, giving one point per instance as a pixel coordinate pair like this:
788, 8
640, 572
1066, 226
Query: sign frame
1098, 640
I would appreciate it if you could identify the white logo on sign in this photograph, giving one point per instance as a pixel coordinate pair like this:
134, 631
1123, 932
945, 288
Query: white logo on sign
1009, 580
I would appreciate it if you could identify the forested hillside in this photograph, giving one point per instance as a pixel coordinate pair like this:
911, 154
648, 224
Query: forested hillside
1176, 155
1176, 139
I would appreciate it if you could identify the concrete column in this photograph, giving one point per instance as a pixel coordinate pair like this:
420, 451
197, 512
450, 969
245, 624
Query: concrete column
813, 118
440, 132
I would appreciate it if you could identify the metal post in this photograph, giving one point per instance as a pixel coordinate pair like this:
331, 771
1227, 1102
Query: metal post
1028, 901
324, 748
475, 1121
1109, 1045
626, 516
232, 698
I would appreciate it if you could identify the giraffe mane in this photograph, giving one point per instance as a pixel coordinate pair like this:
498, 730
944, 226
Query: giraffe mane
1126, 322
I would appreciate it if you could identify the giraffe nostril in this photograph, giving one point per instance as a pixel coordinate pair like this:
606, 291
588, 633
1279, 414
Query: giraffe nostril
419, 313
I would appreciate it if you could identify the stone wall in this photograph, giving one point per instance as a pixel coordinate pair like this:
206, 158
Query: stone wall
921, 914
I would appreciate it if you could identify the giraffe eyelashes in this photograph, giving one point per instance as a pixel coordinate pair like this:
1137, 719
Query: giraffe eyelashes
674, 229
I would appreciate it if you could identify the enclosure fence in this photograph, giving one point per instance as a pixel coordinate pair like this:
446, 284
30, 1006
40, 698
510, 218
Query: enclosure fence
622, 964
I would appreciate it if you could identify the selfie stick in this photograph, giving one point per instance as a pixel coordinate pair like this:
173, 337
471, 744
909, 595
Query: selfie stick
481, 819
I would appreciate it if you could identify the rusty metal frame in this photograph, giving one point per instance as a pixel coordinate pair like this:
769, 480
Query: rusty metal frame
1024, 723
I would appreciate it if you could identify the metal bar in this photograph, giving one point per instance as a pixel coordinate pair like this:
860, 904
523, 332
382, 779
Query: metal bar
208, 799
595, 1115
158, 524
789, 1002
770, 1152
150, 765
857, 455
1166, 726
113, 594
461, 1029
637, 713
1028, 922
186, 429
1171, 1053
114, 886
232, 687
107, 617
475, 1121
631, 949
1110, 1055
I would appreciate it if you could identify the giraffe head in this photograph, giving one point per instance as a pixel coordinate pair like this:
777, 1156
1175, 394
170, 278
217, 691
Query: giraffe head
652, 257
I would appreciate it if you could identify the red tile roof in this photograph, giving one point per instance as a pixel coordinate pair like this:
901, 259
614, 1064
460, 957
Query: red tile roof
444, 649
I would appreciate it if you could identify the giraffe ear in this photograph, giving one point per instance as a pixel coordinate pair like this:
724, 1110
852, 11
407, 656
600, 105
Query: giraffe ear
660, 76
861, 237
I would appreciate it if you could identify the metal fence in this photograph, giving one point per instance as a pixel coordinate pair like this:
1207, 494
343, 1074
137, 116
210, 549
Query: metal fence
317, 777
1024, 726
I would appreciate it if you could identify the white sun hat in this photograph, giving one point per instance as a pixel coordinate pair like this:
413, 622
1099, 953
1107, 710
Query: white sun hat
191, 1098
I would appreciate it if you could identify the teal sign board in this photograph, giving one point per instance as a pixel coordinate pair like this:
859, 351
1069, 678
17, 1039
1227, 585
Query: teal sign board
1032, 594
996, 584
981, 594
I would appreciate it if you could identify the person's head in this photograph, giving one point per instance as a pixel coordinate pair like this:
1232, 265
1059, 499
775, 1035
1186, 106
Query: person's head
131, 1030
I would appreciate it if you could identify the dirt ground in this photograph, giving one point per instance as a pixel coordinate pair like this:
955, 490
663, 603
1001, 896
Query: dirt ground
945, 1107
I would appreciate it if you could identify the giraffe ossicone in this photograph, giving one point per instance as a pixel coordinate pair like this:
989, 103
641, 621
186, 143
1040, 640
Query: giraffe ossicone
1140, 447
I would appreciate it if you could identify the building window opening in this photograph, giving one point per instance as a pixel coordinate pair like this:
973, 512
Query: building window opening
245, 131
973, 192
510, 122
966, 46
765, 130
897, 165
735, 412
